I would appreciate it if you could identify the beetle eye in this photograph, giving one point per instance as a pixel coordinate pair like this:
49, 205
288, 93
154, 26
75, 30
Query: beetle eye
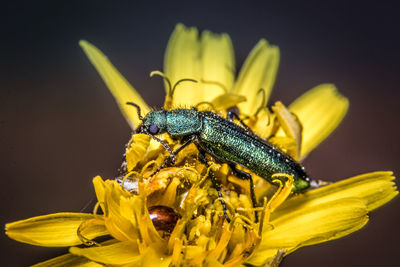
153, 129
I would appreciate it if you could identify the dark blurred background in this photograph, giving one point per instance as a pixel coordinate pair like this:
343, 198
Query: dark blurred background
59, 125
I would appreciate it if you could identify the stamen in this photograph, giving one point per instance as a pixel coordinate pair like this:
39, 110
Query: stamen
176, 253
86, 241
236, 260
284, 190
169, 196
177, 233
263, 215
165, 78
170, 89
223, 241
261, 90
141, 245
278, 198
128, 175
96, 207
204, 177
276, 260
249, 224
243, 250
144, 168
143, 221
205, 103
223, 87
180, 81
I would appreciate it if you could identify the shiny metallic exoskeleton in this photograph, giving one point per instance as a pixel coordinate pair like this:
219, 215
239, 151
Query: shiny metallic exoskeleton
226, 141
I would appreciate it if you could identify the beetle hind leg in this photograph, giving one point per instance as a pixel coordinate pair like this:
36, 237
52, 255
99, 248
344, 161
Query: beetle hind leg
202, 158
246, 176
230, 116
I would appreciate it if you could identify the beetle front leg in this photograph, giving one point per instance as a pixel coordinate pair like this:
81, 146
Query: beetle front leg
171, 158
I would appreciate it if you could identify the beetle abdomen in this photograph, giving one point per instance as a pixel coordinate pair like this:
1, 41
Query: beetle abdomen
229, 142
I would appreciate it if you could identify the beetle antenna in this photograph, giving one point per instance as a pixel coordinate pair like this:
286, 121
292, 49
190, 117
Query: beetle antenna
165, 78
178, 82
261, 90
138, 109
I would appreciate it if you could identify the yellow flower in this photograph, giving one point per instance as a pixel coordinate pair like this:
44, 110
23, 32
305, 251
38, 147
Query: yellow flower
175, 217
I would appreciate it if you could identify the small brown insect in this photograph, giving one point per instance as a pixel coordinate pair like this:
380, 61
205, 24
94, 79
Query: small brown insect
164, 218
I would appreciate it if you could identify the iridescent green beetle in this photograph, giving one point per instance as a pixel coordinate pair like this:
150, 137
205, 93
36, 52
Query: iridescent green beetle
226, 142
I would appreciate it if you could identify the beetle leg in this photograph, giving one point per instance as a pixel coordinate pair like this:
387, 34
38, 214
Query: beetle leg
165, 145
246, 176
171, 158
190, 139
202, 158
232, 115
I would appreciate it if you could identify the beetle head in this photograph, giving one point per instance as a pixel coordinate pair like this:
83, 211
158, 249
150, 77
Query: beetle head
155, 122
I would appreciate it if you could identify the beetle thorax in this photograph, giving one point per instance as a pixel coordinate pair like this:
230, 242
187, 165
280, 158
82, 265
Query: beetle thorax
181, 122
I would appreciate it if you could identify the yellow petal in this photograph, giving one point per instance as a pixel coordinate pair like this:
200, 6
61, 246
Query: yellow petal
119, 227
320, 110
99, 188
91, 226
258, 72
226, 101
290, 126
133, 209
153, 259
120, 88
305, 226
182, 62
264, 124
53, 230
108, 195
261, 257
324, 222
218, 64
208, 60
68, 260
376, 189
351, 198
213, 262
141, 149
118, 253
